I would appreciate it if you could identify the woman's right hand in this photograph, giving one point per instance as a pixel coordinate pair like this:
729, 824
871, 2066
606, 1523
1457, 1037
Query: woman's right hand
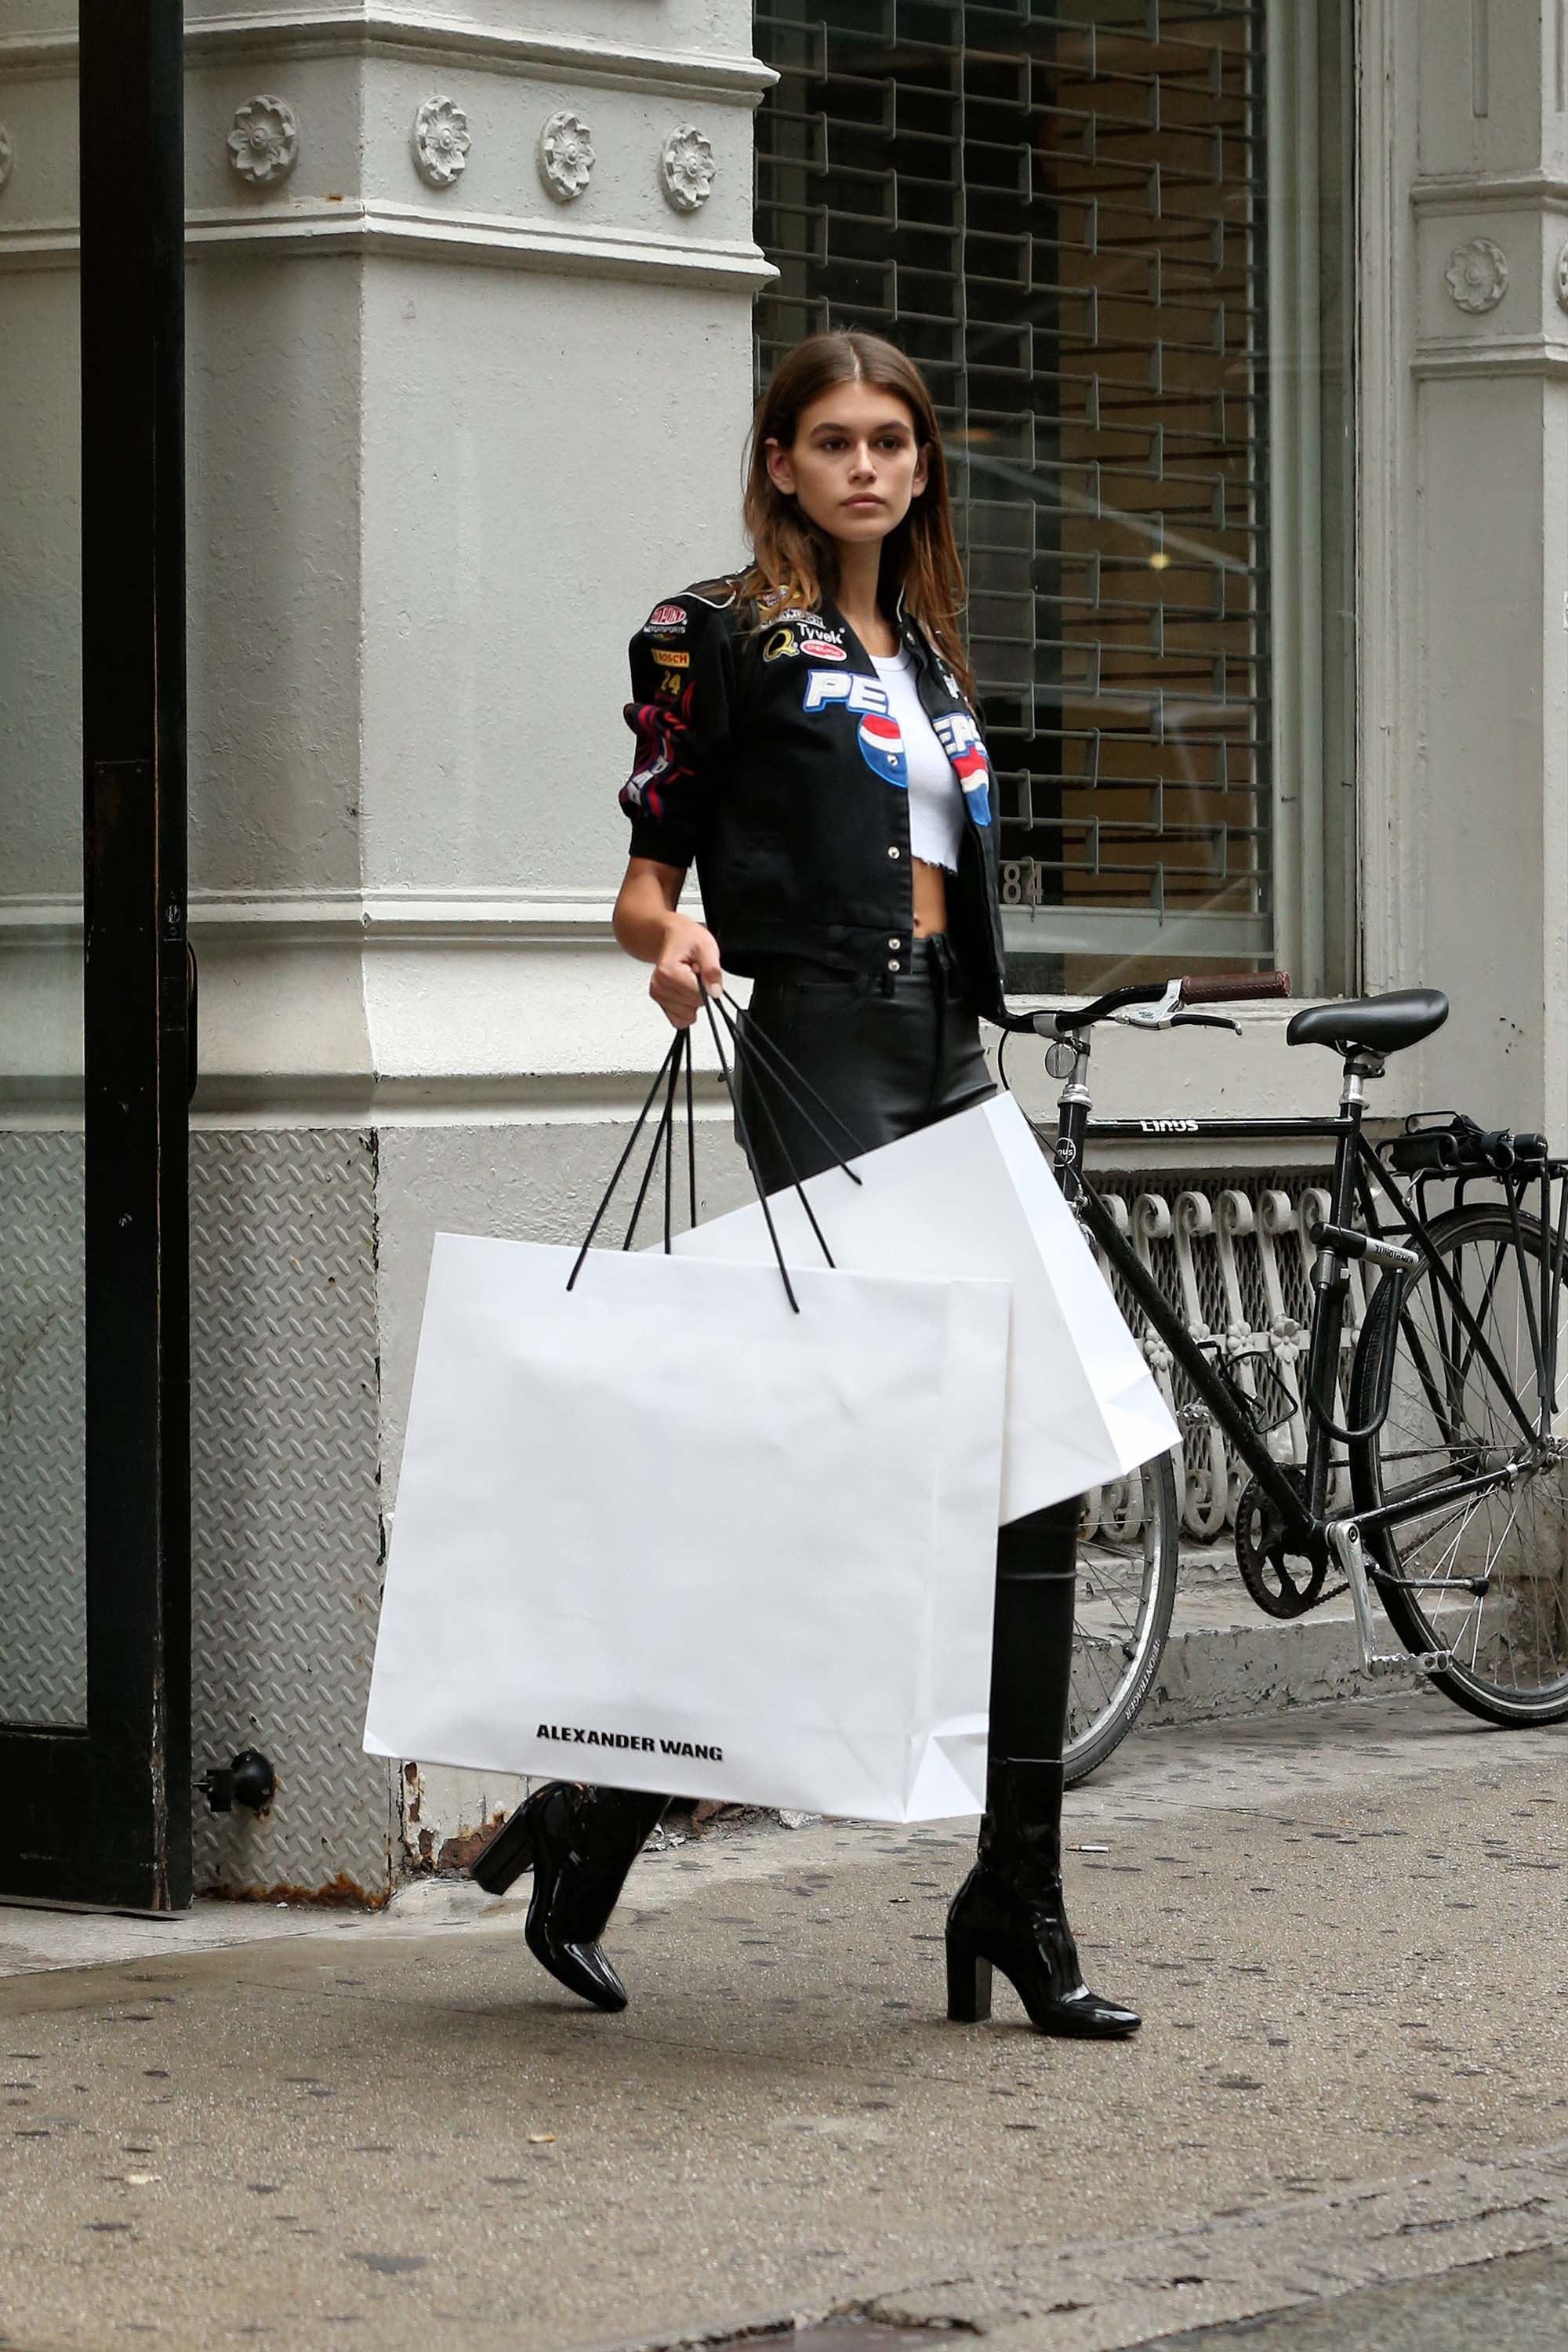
690, 953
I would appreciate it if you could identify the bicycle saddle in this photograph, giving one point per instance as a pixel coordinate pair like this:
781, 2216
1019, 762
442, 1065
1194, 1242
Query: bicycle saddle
1381, 1023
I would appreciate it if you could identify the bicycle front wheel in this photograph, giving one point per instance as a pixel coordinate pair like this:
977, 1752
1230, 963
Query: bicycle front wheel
1450, 1419
1126, 1588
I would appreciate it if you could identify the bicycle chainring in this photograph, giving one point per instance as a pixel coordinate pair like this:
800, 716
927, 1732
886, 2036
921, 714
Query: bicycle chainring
1281, 1586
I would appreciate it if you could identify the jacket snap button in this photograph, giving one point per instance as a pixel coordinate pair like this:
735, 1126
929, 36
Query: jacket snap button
892, 943
892, 963
893, 852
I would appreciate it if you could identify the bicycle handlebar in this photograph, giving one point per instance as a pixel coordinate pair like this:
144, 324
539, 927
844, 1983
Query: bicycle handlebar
1233, 987
1195, 988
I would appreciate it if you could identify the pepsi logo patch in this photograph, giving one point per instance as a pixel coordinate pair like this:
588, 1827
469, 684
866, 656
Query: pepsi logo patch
826, 686
959, 739
975, 777
882, 748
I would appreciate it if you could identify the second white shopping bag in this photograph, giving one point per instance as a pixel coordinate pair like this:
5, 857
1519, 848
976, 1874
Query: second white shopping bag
681, 1529
973, 1196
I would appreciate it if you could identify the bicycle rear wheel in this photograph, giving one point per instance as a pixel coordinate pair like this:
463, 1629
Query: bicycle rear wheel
1126, 1588
1449, 1419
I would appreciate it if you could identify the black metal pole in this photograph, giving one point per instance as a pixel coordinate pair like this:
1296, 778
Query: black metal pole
133, 742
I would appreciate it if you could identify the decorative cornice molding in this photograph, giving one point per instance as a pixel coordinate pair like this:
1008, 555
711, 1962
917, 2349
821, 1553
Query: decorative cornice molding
346, 918
264, 144
1527, 355
271, 35
1477, 276
386, 231
564, 154
1471, 191
441, 141
686, 168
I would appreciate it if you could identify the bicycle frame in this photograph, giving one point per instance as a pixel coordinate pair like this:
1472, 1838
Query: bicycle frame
1359, 1181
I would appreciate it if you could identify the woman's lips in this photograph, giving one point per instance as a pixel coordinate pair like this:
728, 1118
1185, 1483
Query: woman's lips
863, 501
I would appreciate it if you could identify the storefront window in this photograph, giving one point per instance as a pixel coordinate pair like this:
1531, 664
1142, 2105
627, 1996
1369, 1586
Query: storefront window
1115, 236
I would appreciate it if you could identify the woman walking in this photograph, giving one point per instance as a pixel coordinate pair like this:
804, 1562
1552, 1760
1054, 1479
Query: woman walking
805, 738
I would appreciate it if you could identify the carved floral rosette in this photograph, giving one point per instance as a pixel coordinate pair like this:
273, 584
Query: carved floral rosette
1478, 275
685, 167
264, 144
441, 141
565, 156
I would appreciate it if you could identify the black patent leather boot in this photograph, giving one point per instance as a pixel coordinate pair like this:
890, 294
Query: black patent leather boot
1009, 1915
580, 1844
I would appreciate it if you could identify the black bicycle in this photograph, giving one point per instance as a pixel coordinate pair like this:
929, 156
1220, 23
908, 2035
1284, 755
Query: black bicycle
1457, 1519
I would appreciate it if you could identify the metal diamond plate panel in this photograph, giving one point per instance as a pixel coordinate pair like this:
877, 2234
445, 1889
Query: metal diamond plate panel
43, 1594
286, 1502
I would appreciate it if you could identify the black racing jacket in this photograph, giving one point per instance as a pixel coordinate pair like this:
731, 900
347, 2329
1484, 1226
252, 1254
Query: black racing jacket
768, 756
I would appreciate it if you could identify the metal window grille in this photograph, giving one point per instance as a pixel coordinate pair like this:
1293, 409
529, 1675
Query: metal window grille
1058, 213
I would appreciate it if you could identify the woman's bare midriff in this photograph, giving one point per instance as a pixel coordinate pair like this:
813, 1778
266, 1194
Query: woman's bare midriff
931, 899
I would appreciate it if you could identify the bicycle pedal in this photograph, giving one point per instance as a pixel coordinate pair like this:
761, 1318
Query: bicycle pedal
1414, 1662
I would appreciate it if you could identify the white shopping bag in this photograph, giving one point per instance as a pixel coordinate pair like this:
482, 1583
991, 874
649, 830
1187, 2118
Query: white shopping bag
975, 1196
667, 1533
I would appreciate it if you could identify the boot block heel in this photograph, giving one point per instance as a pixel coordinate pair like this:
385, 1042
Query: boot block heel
968, 1984
508, 1853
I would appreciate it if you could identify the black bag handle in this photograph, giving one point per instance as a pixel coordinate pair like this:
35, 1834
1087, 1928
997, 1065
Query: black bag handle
764, 1059
769, 1061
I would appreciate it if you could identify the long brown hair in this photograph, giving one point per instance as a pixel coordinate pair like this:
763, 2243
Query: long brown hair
792, 559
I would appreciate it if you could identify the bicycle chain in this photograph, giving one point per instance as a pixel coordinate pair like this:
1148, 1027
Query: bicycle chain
1282, 1587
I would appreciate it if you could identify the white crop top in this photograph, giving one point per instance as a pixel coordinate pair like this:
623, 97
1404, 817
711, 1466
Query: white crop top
936, 797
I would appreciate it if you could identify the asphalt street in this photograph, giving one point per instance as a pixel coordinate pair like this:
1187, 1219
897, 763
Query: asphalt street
1346, 2120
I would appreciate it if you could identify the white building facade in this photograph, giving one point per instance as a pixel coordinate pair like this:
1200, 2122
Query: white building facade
1249, 324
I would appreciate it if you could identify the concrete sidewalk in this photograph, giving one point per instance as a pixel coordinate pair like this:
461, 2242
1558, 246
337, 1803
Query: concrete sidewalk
1345, 1928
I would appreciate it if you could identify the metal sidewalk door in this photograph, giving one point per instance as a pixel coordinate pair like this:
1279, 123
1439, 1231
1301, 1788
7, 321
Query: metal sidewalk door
95, 1798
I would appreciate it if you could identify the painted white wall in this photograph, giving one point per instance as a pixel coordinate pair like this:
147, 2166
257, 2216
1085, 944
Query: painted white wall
542, 455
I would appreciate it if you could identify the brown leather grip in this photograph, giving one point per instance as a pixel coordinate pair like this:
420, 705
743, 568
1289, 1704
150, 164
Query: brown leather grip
1233, 987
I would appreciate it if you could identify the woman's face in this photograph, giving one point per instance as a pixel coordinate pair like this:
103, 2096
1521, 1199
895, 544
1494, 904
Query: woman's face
854, 464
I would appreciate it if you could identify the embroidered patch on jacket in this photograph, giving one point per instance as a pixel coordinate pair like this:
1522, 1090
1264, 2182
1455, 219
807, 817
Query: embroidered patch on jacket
882, 748
959, 739
824, 687
671, 657
665, 620
812, 637
662, 755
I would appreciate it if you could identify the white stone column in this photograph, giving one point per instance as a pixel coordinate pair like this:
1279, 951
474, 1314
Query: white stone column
1465, 551
470, 365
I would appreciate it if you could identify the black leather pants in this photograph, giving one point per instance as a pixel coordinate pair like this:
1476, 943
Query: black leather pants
887, 1057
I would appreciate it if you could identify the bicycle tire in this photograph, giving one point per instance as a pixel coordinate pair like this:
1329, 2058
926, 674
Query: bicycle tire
1109, 1622
1518, 1535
